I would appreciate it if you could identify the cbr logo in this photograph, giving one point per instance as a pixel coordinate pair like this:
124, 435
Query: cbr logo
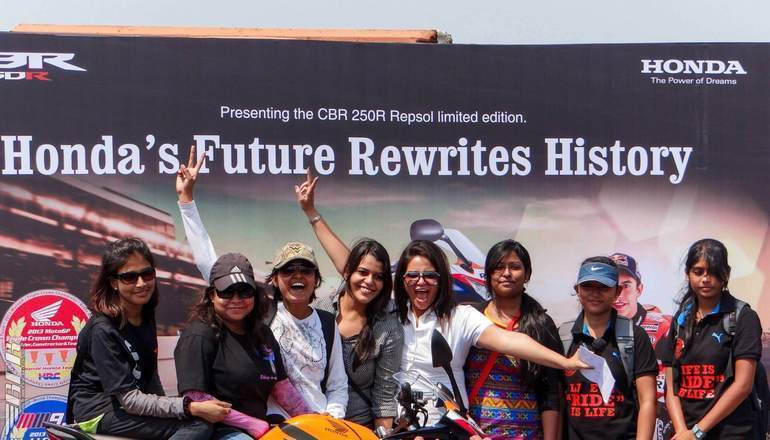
34, 60
708, 67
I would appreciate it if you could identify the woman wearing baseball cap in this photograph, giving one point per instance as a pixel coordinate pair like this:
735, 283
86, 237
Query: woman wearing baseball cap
309, 341
628, 412
228, 353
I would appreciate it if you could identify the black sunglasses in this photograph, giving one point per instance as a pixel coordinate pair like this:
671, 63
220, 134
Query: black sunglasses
431, 277
132, 277
301, 268
242, 292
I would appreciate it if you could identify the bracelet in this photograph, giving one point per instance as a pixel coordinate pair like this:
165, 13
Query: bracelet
697, 432
315, 219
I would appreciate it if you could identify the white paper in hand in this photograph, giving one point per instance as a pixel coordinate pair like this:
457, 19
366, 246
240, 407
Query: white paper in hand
600, 374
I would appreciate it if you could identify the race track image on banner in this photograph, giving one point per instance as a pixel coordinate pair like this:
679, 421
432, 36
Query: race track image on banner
574, 150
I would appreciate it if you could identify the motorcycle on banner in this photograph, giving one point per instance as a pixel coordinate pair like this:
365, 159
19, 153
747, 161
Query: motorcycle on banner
455, 424
468, 268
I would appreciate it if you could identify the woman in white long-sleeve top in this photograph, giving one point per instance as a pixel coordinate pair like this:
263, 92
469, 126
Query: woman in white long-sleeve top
309, 340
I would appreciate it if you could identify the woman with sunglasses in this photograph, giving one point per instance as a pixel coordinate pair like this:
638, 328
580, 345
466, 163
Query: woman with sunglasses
308, 338
514, 399
425, 301
115, 388
372, 338
227, 353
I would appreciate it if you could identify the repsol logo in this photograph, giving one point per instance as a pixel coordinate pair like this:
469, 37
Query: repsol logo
707, 67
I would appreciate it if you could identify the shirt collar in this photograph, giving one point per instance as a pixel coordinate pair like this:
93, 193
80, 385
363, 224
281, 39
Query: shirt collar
726, 304
428, 316
641, 313
580, 327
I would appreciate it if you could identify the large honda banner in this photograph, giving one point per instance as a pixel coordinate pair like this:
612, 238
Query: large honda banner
573, 150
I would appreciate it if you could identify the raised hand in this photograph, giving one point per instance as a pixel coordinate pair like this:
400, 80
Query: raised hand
187, 175
306, 194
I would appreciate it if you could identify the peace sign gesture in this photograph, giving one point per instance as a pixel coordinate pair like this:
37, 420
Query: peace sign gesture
187, 175
306, 194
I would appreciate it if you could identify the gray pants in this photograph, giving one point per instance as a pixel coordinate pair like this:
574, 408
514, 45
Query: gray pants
121, 423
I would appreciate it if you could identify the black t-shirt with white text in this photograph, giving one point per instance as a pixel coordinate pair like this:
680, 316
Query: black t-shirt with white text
701, 365
112, 361
588, 417
231, 368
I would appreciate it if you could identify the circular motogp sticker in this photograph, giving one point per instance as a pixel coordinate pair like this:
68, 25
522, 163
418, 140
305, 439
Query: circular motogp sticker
29, 423
40, 334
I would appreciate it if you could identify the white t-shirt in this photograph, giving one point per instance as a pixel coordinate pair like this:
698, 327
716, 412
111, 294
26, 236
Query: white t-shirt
302, 334
303, 350
463, 330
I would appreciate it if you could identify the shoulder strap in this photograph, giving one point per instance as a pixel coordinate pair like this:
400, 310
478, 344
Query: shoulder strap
493, 355
272, 309
360, 393
327, 327
565, 334
624, 336
729, 323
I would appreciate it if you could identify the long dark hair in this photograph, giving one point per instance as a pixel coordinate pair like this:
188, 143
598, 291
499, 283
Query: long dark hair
533, 320
714, 253
104, 298
376, 308
252, 323
445, 299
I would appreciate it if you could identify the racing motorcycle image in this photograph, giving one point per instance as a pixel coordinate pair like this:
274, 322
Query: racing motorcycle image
468, 268
455, 423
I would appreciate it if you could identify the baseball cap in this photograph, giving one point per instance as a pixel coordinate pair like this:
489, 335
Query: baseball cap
627, 264
599, 272
293, 251
232, 269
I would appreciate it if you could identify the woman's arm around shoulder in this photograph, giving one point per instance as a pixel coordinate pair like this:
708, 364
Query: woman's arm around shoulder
520, 345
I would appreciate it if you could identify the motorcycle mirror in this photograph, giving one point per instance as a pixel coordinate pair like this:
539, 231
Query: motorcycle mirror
442, 357
431, 230
440, 351
426, 229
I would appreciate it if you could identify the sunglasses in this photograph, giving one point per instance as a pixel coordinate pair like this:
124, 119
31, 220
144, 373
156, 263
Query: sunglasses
291, 270
430, 277
147, 275
242, 292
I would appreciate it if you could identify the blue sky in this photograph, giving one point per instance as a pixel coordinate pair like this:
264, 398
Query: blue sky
491, 22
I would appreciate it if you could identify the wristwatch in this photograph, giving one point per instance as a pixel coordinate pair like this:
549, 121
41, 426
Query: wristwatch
186, 401
697, 432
